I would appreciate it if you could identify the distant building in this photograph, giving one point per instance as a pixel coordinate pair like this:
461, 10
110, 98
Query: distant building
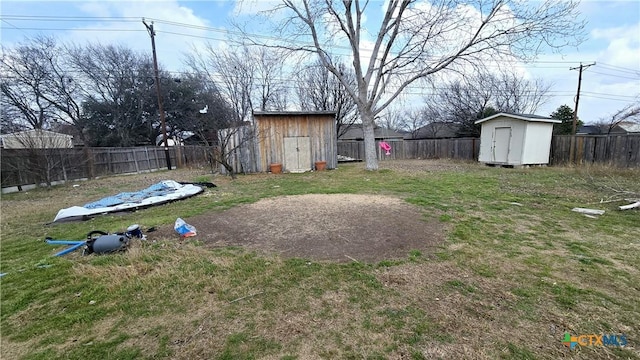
625, 127
629, 127
178, 139
435, 130
36, 139
356, 133
589, 130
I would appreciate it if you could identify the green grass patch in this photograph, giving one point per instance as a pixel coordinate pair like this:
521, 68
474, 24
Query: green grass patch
503, 269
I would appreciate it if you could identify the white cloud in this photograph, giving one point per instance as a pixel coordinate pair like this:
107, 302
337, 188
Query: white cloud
170, 46
624, 45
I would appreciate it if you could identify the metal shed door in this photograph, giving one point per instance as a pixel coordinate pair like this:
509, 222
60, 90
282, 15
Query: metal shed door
297, 153
501, 141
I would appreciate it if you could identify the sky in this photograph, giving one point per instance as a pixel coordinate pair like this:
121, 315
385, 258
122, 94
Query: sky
612, 40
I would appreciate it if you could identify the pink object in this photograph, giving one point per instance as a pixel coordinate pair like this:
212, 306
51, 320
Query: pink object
386, 147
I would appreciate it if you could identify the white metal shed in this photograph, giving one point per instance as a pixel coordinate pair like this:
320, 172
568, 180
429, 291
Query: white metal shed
515, 139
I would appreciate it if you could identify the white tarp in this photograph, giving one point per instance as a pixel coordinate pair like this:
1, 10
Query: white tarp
160, 193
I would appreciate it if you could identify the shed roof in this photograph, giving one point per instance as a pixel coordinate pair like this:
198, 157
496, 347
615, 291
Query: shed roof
524, 117
293, 113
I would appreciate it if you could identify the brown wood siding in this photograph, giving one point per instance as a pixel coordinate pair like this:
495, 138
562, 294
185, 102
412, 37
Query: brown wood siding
272, 129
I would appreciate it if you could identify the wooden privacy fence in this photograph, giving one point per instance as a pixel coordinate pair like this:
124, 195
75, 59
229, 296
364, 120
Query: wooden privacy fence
616, 150
460, 148
22, 167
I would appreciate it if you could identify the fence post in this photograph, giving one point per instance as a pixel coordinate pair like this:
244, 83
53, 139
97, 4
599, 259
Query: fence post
109, 161
473, 149
178, 155
64, 168
157, 163
135, 160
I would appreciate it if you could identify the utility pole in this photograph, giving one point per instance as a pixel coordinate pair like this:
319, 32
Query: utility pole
575, 111
152, 34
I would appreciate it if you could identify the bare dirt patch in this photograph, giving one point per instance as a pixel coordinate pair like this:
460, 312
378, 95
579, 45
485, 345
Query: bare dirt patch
335, 227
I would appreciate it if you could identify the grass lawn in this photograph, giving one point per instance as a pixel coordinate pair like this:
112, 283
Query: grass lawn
517, 270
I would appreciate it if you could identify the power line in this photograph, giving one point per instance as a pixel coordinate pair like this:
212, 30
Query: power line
206, 28
77, 29
620, 68
496, 62
607, 98
72, 18
618, 76
13, 26
605, 94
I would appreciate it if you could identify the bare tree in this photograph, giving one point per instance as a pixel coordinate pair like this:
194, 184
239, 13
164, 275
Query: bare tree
415, 40
246, 77
10, 117
118, 99
392, 118
232, 73
628, 114
195, 105
516, 94
464, 101
25, 83
413, 120
272, 90
319, 90
426, 122
40, 87
234, 147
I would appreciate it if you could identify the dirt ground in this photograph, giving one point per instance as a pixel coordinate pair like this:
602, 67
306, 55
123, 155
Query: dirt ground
327, 227
320, 227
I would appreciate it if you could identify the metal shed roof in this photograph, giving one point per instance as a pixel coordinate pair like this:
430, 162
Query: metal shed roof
524, 117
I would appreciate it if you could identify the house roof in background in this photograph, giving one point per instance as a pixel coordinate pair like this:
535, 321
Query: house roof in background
603, 129
525, 117
435, 130
589, 130
630, 127
38, 132
355, 132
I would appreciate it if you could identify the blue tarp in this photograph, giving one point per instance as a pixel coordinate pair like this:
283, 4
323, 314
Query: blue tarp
159, 189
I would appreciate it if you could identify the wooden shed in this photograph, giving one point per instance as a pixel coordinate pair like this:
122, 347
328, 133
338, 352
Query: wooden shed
297, 139
515, 139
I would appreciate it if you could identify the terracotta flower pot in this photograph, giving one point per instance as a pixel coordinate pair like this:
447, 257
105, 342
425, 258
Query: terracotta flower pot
276, 168
321, 165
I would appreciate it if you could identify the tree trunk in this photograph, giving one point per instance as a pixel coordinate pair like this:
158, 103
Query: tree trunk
86, 151
218, 157
371, 159
229, 168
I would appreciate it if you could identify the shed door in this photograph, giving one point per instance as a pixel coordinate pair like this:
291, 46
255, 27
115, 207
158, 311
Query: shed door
501, 141
297, 153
